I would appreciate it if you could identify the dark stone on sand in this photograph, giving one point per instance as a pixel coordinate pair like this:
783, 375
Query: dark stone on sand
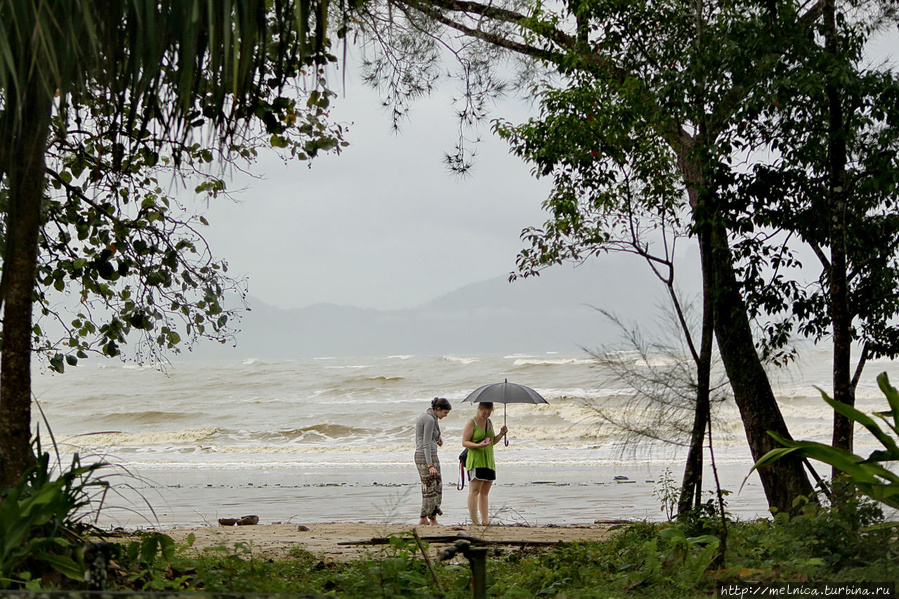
302, 528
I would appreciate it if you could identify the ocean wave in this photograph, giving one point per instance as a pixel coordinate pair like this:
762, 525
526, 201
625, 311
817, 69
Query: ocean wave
530, 361
145, 439
461, 359
315, 409
144, 417
319, 431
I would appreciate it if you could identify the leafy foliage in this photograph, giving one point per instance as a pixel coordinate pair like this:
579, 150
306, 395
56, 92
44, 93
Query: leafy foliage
40, 522
787, 196
130, 84
122, 246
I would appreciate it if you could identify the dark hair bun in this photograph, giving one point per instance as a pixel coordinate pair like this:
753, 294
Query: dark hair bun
441, 403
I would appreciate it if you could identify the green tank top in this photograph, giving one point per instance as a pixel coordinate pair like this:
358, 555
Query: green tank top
483, 457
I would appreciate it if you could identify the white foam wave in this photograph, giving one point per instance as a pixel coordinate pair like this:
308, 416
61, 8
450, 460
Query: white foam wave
122, 439
531, 361
461, 359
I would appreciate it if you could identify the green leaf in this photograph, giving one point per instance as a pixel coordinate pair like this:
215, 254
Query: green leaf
892, 397
63, 564
57, 363
865, 420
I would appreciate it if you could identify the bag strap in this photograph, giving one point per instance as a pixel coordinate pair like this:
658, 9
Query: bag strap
461, 484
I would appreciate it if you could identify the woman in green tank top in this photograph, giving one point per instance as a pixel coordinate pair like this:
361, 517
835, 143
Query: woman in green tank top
478, 436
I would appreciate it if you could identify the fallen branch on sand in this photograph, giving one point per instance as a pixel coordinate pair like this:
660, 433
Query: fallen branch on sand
245, 521
453, 539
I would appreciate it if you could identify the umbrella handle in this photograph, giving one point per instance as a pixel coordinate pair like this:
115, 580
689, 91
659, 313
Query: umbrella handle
506, 436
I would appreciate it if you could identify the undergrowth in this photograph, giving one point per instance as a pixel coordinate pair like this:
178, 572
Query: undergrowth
845, 543
42, 547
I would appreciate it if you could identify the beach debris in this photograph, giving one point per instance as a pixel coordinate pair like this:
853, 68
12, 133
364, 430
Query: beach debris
244, 521
303, 528
612, 524
477, 561
453, 539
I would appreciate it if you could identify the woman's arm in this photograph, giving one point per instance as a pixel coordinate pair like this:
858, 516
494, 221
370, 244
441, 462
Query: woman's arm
496, 438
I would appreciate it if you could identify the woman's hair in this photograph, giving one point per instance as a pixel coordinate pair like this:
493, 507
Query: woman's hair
486, 404
441, 403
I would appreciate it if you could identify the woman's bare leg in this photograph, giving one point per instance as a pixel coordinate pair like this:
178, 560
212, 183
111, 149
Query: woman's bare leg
474, 493
482, 500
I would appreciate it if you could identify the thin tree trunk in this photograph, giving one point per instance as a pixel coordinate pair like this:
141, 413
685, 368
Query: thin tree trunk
838, 293
25, 171
691, 490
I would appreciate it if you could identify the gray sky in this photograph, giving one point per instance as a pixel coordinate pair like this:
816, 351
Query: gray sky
384, 224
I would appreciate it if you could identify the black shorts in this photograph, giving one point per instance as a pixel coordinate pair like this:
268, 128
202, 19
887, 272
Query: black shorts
482, 474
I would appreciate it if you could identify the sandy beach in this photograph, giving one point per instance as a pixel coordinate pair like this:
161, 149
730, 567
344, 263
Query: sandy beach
342, 541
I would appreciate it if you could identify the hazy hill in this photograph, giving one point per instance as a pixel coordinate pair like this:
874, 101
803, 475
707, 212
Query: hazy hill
553, 312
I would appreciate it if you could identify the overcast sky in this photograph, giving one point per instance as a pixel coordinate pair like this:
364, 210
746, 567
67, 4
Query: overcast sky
384, 224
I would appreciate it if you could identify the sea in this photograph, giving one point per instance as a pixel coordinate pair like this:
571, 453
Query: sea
331, 439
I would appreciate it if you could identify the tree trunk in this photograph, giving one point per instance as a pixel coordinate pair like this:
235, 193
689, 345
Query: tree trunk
691, 490
25, 171
838, 293
785, 480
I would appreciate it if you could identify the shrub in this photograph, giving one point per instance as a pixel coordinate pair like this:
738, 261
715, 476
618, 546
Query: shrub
40, 521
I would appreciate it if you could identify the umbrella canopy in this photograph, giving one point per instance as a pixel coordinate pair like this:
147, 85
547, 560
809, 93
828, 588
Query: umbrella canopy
505, 393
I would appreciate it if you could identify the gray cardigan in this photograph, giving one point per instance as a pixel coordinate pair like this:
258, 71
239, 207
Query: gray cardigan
426, 435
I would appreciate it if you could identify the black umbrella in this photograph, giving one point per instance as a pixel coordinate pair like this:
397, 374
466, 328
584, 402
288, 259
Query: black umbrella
505, 393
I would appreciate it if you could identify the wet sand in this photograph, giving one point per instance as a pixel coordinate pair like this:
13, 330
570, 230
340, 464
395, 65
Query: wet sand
526, 496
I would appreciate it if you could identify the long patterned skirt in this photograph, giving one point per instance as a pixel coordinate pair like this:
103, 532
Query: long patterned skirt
431, 486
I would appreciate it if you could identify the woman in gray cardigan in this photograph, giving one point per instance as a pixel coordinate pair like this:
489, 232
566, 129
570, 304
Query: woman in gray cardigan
427, 440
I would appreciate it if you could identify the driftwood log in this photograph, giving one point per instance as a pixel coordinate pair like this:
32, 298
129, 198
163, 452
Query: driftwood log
453, 539
245, 521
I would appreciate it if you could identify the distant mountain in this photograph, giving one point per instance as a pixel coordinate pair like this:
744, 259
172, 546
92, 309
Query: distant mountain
552, 312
